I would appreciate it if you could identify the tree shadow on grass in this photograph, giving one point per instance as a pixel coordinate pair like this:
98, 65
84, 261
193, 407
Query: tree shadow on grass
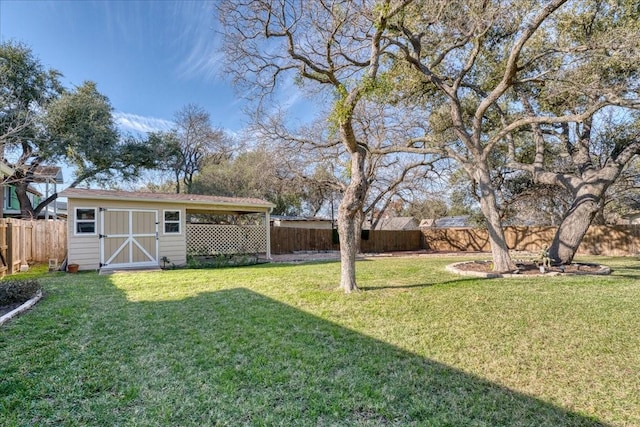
627, 271
235, 357
311, 261
297, 263
422, 285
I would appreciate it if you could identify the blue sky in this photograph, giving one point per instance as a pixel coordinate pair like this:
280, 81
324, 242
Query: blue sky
149, 57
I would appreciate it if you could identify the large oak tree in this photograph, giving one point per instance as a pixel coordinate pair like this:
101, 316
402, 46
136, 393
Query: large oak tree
474, 65
591, 73
329, 46
42, 123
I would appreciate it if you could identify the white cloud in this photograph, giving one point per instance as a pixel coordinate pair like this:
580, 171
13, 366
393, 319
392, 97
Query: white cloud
134, 122
203, 60
197, 42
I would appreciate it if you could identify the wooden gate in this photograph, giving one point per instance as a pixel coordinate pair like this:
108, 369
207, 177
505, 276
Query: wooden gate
128, 238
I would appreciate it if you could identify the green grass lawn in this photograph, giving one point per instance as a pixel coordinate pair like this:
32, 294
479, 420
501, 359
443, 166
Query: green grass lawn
279, 345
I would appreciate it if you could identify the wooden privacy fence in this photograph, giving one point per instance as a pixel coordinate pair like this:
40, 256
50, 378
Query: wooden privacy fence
391, 240
618, 240
286, 240
24, 241
621, 240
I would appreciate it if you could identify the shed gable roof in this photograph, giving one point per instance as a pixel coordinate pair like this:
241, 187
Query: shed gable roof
186, 199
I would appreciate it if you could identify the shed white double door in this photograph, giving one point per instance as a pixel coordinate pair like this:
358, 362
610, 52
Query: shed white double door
128, 238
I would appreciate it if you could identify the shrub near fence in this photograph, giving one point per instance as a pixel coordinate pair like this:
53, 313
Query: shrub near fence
25, 241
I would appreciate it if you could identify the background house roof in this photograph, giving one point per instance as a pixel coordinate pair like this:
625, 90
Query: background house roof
452, 221
49, 174
5, 169
299, 218
427, 222
34, 190
394, 223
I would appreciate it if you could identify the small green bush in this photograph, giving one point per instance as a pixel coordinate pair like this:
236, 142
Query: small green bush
17, 291
195, 261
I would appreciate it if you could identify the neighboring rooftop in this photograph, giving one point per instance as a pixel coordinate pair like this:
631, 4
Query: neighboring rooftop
298, 218
459, 221
427, 222
5, 169
394, 223
48, 174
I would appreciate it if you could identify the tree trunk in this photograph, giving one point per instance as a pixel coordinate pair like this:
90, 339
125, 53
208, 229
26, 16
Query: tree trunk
43, 204
359, 220
348, 249
348, 221
489, 206
575, 224
26, 210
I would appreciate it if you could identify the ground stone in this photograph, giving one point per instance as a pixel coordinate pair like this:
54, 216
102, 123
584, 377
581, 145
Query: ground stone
524, 269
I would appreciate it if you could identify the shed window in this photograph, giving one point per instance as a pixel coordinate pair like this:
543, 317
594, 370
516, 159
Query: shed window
85, 221
172, 222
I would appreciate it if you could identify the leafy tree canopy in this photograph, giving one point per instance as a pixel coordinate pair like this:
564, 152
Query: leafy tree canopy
43, 123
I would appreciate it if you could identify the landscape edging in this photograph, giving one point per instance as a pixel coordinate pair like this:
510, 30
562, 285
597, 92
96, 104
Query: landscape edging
453, 268
24, 307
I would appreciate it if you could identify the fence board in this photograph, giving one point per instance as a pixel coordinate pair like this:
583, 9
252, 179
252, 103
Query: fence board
3, 249
25, 241
618, 240
286, 240
49, 240
623, 240
391, 241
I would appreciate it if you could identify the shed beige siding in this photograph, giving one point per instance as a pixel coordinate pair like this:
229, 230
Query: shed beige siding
82, 249
85, 249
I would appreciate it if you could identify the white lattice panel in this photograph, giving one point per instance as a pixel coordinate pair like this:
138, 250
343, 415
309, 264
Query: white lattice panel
204, 239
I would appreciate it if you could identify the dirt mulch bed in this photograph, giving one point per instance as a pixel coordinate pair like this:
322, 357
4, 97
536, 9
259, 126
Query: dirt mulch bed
9, 311
530, 268
4, 309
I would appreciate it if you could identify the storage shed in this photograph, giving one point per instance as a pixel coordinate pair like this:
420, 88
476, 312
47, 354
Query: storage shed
120, 229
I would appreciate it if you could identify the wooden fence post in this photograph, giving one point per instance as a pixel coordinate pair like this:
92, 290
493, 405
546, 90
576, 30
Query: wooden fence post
10, 247
3, 247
